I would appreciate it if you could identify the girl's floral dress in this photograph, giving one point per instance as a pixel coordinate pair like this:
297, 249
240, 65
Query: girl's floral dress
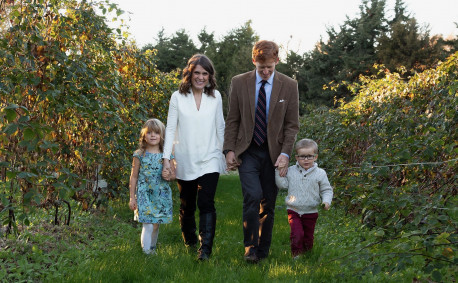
154, 196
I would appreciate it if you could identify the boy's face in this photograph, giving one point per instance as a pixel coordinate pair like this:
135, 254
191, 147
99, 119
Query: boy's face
306, 157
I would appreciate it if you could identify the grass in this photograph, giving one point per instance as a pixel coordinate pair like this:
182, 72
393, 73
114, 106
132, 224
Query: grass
104, 246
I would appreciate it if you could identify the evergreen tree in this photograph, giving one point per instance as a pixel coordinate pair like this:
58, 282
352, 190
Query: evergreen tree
207, 40
348, 53
450, 44
404, 44
174, 52
232, 55
296, 67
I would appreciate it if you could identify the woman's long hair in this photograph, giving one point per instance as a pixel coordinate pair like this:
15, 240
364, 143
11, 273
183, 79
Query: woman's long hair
204, 62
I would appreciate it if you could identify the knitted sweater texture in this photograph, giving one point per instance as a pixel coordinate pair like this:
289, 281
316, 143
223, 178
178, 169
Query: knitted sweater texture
307, 189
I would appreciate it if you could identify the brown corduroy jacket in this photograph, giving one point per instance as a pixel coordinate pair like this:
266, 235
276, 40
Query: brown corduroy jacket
282, 119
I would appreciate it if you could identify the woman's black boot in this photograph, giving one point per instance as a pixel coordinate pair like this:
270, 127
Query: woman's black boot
188, 230
207, 225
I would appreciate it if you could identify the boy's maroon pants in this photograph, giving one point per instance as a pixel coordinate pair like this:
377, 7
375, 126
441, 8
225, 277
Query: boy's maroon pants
302, 230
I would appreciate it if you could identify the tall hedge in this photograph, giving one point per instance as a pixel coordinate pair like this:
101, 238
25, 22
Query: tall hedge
73, 96
392, 154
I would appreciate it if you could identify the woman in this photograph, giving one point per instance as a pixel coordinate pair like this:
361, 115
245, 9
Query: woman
195, 128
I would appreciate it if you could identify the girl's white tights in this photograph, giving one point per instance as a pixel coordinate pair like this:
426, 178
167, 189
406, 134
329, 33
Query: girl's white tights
149, 237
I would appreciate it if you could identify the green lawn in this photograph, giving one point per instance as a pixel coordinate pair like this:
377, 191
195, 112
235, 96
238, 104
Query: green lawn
105, 247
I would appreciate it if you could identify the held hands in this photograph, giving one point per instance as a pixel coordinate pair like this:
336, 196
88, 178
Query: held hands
231, 161
168, 172
282, 165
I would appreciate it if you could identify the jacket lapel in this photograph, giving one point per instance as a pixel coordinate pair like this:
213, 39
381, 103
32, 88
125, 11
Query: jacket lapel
251, 87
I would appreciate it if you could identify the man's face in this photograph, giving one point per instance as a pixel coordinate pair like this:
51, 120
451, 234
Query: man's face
265, 69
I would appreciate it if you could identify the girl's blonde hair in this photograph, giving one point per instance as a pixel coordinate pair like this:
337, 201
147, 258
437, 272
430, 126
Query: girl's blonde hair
152, 125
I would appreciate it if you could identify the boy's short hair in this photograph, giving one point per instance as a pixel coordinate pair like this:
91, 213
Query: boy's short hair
264, 50
307, 143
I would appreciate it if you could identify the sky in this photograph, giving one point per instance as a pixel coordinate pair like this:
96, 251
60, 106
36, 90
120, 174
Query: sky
295, 25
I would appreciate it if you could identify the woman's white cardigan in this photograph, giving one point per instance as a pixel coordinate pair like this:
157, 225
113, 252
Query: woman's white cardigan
195, 136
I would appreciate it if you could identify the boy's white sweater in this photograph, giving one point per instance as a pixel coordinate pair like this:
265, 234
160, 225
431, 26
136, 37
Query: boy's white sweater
307, 189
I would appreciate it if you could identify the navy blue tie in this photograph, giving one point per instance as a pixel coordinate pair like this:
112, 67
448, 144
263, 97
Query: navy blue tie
260, 124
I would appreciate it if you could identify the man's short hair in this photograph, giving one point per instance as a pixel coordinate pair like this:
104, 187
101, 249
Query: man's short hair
264, 50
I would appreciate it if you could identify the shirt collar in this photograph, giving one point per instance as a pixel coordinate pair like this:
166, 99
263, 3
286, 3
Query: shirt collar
259, 79
299, 167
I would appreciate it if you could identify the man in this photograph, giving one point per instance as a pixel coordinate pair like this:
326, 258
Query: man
261, 128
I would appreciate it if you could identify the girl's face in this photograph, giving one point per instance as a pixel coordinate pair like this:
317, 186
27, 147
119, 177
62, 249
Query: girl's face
152, 138
199, 78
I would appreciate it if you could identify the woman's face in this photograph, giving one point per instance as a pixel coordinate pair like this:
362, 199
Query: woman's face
199, 78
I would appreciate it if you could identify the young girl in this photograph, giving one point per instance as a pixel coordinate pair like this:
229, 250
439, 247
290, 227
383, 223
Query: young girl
150, 194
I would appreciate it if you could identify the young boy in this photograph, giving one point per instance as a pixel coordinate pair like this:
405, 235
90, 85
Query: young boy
308, 186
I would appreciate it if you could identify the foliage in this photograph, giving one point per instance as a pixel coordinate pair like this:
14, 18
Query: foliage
206, 40
392, 156
73, 95
349, 52
404, 44
72, 102
174, 52
232, 55
296, 66
356, 45
351, 49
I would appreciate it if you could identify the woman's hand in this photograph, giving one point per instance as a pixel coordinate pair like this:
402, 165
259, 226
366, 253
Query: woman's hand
231, 161
172, 170
166, 169
166, 174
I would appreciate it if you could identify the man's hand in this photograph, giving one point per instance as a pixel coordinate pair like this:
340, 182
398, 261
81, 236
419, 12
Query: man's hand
282, 165
231, 161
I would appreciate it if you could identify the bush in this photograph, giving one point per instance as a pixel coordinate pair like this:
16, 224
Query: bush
392, 155
73, 94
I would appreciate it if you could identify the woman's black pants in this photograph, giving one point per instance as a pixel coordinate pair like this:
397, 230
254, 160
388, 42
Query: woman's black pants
200, 191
